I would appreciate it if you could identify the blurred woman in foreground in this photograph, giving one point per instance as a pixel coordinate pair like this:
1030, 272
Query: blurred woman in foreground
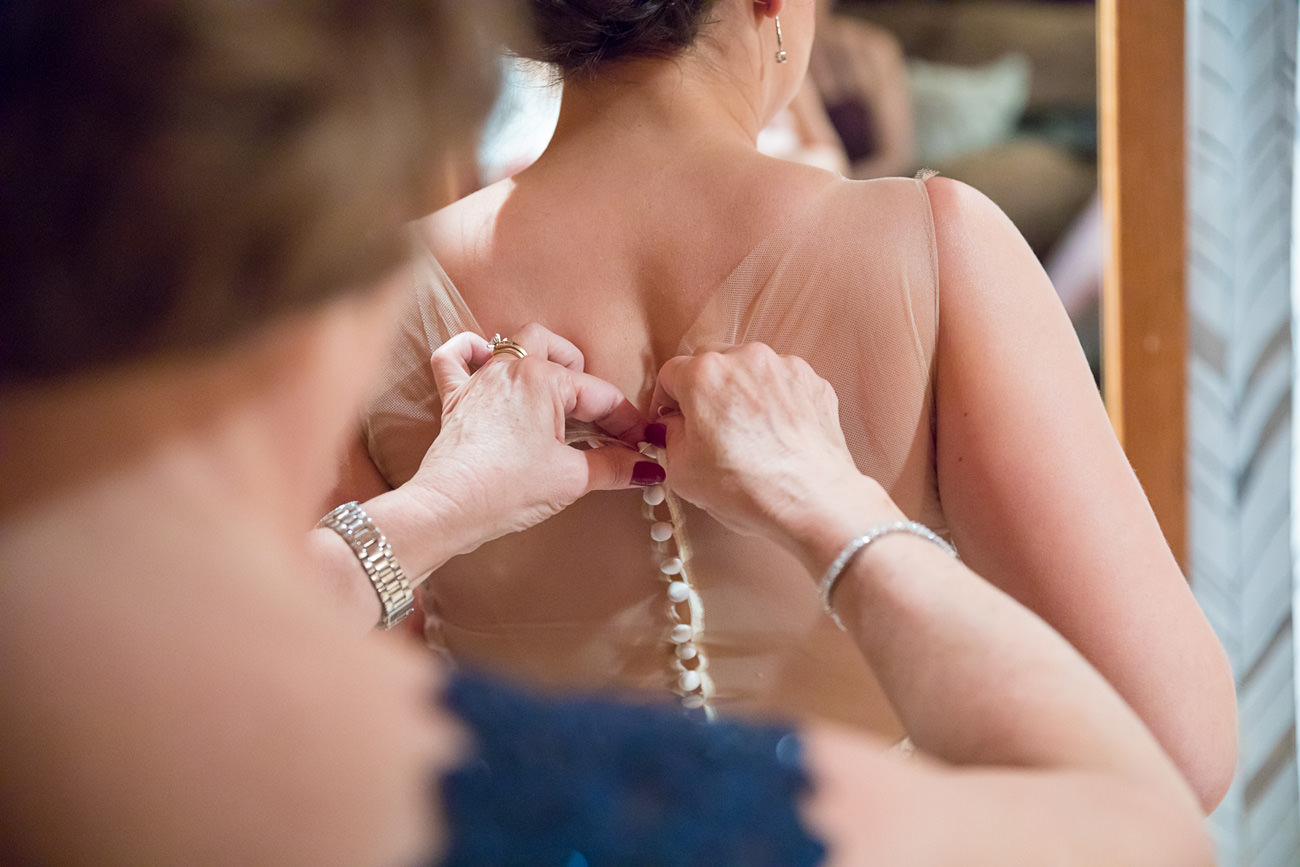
201, 230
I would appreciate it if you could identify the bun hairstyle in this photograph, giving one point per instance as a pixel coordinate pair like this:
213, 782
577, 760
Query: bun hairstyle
580, 36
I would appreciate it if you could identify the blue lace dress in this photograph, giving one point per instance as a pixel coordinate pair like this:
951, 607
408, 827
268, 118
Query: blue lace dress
582, 783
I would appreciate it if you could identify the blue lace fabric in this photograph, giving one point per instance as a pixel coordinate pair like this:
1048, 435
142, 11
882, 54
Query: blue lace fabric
587, 782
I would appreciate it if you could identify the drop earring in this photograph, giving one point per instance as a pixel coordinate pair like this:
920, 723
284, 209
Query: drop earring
781, 56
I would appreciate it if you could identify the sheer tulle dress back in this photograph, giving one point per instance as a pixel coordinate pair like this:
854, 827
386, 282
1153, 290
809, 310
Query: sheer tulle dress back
849, 283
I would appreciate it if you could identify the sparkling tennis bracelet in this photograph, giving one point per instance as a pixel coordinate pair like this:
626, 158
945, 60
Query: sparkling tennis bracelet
857, 544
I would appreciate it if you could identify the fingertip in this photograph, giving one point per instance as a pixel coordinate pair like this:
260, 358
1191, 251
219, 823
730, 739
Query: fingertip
645, 474
616, 467
450, 363
480, 350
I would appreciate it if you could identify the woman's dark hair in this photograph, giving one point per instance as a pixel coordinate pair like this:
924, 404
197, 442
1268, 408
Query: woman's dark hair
176, 173
579, 36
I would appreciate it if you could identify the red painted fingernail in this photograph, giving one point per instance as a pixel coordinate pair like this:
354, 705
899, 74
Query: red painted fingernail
657, 435
647, 473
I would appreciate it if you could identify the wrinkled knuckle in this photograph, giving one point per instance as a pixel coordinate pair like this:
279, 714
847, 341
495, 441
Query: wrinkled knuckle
709, 358
603, 477
709, 368
530, 370
829, 397
799, 368
546, 375
443, 350
756, 352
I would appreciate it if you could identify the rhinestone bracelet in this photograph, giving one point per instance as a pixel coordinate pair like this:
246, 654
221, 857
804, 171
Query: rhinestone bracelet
858, 543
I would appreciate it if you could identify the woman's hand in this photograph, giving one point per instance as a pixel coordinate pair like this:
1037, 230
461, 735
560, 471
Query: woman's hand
500, 458
499, 464
754, 439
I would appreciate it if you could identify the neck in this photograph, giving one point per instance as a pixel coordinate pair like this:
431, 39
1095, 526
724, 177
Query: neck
655, 102
722, 91
162, 436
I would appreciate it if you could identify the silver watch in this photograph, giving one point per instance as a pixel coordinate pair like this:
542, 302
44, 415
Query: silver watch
371, 547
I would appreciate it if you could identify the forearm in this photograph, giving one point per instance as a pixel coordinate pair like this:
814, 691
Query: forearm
976, 677
424, 525
424, 530
873, 809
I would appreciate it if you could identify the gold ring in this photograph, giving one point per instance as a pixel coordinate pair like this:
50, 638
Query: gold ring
505, 346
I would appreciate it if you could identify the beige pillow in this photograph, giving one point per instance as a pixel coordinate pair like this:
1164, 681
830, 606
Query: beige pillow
959, 109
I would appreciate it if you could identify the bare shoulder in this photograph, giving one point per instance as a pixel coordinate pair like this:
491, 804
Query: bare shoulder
782, 180
462, 230
959, 207
982, 255
879, 205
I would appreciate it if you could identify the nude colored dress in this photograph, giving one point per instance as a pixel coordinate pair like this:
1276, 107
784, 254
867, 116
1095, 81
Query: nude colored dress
848, 283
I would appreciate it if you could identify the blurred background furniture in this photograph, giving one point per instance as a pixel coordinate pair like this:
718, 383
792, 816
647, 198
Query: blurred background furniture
1004, 97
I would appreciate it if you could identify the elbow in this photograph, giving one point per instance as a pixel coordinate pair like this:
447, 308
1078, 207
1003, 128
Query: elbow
1154, 829
1186, 840
1208, 758
1219, 766
1175, 833
1189, 845
1214, 771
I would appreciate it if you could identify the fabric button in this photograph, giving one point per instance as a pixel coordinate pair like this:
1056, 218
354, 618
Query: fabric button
671, 566
654, 495
679, 591
661, 531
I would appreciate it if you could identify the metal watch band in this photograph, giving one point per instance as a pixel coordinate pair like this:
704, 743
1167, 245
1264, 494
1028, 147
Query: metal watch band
371, 547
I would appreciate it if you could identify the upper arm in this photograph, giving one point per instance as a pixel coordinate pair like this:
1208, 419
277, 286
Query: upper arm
1041, 499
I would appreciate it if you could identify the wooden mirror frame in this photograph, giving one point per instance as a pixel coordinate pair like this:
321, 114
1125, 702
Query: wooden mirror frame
1141, 95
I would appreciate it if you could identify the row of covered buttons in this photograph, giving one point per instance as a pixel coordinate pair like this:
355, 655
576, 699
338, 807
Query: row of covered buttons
685, 609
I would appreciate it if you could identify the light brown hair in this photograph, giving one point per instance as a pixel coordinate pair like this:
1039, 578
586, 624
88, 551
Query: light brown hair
177, 171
